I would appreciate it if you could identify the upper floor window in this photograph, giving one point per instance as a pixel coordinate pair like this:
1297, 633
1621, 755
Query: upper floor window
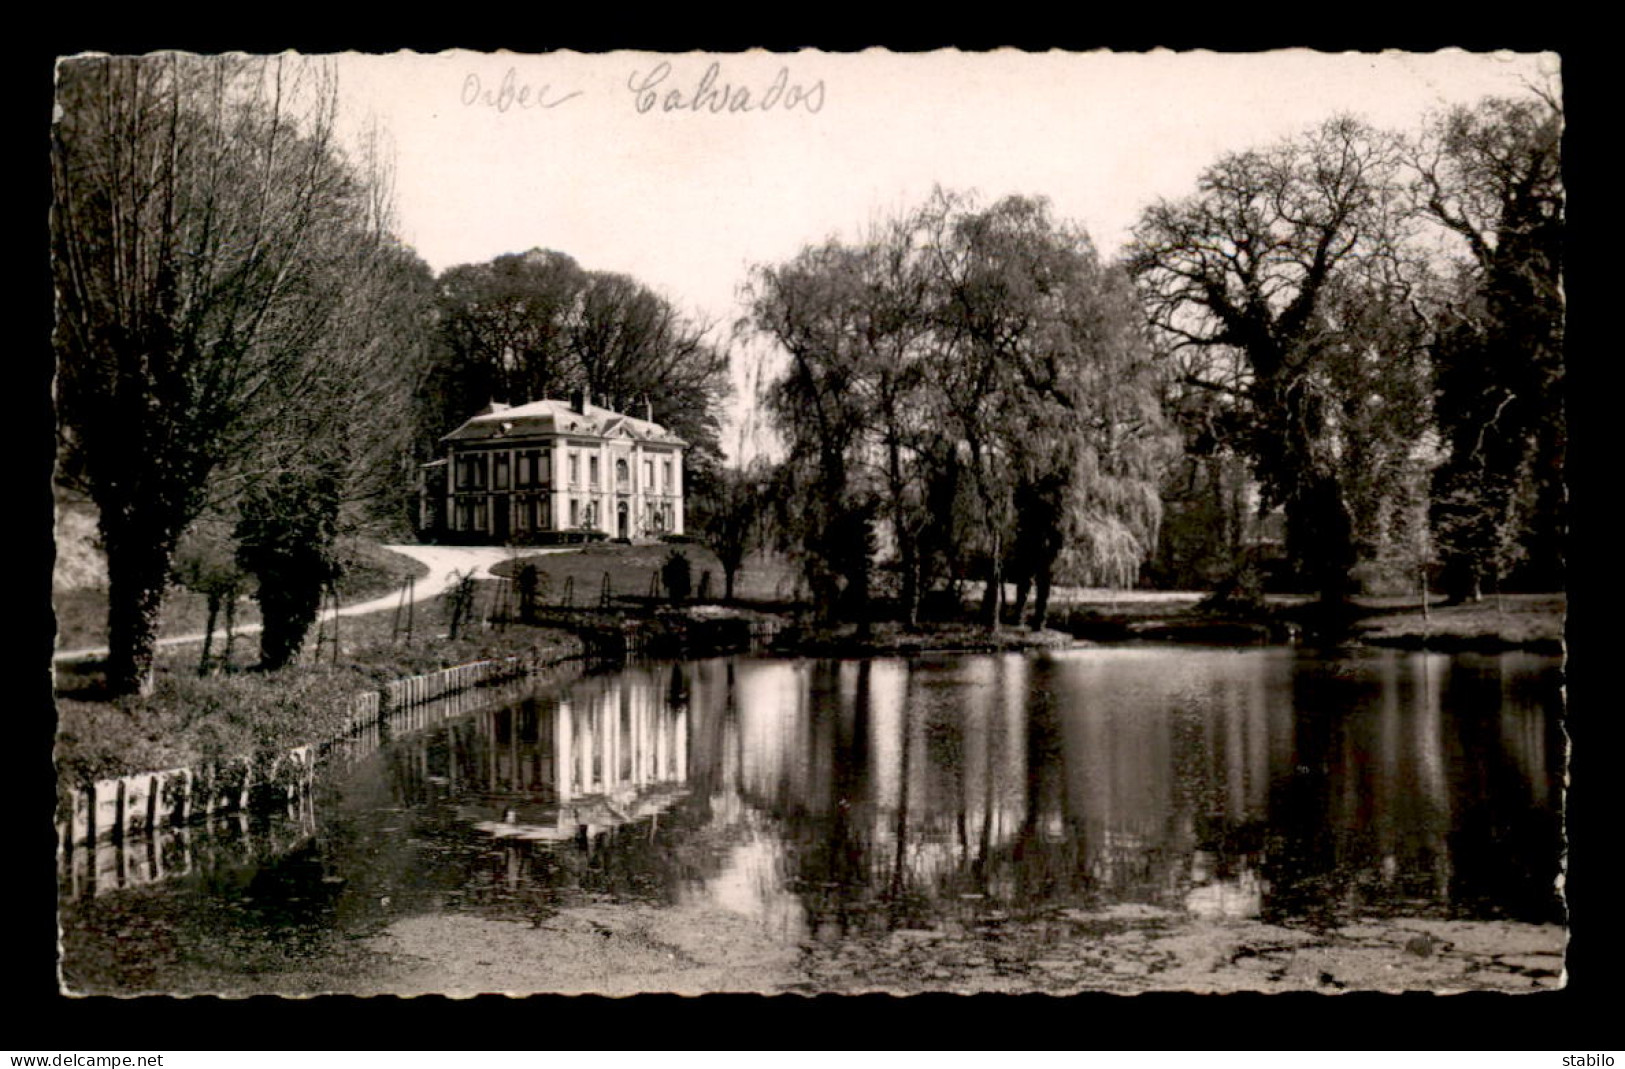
592, 470
471, 472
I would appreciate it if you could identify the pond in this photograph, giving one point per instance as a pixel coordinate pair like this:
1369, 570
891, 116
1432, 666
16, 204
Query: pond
1050, 821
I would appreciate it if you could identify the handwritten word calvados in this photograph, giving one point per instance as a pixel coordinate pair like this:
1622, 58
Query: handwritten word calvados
650, 90
511, 94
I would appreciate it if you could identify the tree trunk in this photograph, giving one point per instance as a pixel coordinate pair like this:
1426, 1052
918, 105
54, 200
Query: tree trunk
1041, 595
208, 632
907, 551
993, 595
231, 625
1321, 539
1024, 585
137, 571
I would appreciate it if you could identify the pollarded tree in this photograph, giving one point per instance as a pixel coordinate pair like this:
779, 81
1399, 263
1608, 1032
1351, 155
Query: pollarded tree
199, 205
332, 466
1244, 268
285, 539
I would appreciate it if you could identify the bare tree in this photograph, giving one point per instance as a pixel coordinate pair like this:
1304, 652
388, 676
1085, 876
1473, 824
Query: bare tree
1244, 269
202, 224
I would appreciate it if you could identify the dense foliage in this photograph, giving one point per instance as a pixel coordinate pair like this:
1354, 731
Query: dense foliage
1399, 402
973, 387
532, 325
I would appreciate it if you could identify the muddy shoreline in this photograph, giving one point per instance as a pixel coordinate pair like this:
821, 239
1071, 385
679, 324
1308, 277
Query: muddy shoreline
693, 949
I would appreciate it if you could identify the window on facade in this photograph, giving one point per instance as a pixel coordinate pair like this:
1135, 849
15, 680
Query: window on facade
575, 512
575, 469
665, 477
471, 472
592, 471
623, 474
533, 468
501, 476
648, 475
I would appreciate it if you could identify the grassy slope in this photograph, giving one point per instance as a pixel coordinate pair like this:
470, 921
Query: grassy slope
191, 718
81, 614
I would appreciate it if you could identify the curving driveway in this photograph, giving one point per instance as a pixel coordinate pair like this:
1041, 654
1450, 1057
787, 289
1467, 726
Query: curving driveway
442, 561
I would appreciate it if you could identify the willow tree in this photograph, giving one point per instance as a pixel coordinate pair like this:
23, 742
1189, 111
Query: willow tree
1243, 271
809, 306
202, 218
1045, 370
963, 364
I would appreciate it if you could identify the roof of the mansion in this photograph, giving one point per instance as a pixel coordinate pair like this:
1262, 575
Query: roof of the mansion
547, 418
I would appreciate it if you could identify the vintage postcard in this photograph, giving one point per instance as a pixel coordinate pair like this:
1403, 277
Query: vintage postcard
809, 522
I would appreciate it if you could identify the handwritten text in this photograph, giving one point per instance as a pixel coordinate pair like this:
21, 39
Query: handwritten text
510, 94
708, 96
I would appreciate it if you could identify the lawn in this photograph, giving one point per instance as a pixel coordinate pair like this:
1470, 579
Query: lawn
630, 573
1530, 620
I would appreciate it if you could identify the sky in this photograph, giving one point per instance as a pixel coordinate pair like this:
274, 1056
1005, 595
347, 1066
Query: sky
623, 161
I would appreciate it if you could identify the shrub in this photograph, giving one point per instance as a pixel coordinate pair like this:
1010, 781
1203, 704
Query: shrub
676, 575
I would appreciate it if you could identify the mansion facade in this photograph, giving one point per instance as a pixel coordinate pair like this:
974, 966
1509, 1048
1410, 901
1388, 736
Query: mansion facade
542, 471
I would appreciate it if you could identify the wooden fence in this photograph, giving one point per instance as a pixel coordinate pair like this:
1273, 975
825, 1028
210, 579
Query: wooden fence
128, 807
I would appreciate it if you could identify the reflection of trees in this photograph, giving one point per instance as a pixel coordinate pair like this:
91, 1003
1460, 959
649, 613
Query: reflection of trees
1416, 780
849, 795
1212, 781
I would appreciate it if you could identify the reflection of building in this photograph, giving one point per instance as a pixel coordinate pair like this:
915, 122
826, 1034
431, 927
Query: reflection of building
530, 472
610, 753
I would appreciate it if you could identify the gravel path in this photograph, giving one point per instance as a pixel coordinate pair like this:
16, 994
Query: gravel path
442, 562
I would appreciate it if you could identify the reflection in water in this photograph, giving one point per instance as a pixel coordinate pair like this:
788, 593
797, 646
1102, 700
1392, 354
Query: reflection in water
822, 798
1223, 783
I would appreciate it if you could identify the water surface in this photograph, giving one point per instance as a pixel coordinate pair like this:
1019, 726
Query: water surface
822, 801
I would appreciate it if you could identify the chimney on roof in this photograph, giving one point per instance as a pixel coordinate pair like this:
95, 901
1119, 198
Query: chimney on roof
580, 398
648, 409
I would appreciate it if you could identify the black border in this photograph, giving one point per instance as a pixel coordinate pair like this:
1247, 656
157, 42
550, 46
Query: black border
39, 1017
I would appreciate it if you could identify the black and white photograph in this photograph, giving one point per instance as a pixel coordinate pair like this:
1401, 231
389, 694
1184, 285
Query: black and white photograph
809, 522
